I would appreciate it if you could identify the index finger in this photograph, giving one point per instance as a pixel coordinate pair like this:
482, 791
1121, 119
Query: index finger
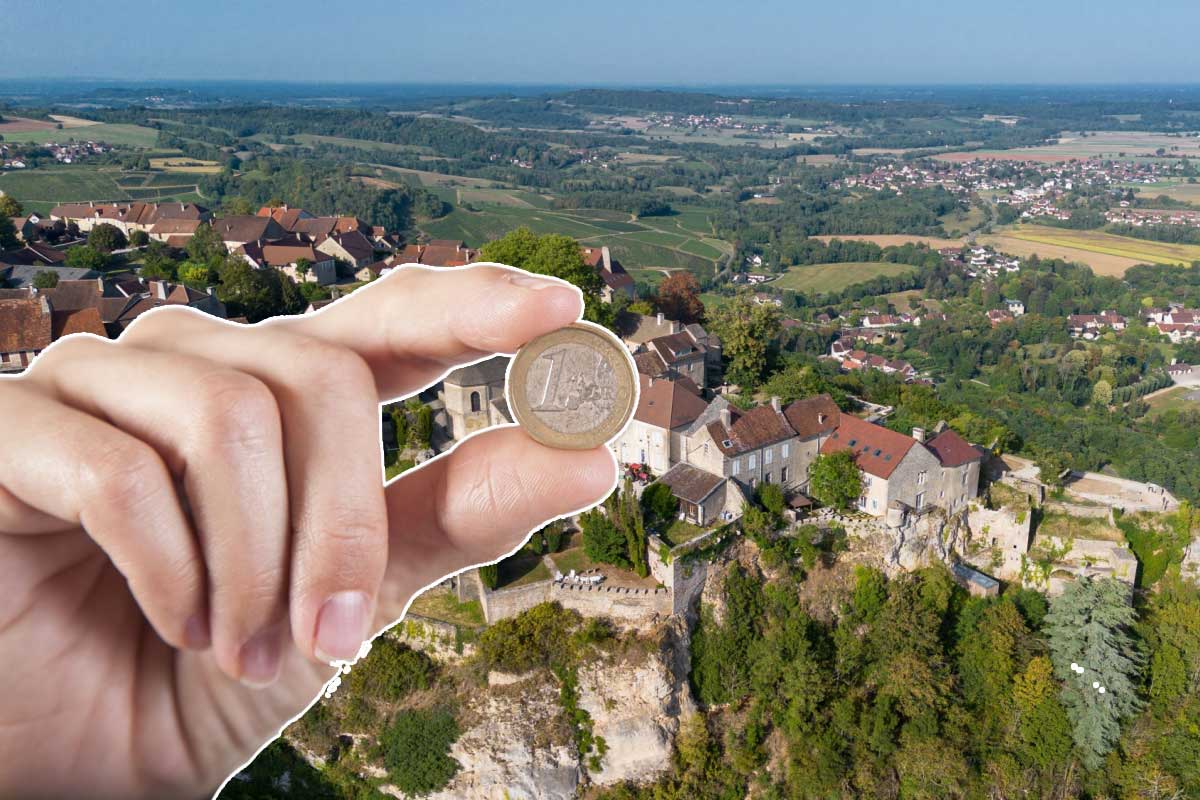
417, 323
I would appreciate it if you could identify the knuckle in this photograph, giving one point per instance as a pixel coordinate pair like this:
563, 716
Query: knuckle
337, 370
355, 527
64, 351
126, 476
238, 411
152, 327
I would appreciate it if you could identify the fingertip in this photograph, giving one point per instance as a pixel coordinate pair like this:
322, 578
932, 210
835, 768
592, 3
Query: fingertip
559, 302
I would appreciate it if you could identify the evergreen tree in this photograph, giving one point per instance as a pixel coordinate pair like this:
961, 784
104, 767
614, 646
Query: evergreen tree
1088, 626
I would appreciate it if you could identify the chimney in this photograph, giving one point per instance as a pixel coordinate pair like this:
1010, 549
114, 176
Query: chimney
660, 318
160, 290
919, 434
726, 418
775, 403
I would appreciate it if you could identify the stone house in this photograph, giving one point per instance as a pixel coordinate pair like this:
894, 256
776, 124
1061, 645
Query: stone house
353, 247
474, 397
666, 408
704, 498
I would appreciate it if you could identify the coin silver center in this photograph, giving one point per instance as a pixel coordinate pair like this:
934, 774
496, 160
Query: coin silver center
571, 388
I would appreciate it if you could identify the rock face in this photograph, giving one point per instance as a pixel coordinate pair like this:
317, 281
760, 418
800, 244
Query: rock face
515, 744
636, 708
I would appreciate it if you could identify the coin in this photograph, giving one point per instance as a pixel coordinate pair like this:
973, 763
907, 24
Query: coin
574, 388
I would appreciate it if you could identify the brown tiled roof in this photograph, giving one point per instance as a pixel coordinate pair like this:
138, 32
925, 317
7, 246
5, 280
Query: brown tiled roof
758, 427
876, 449
357, 245
668, 404
689, 483
247, 228
74, 295
85, 320
411, 254
952, 450
675, 346
650, 363
170, 227
813, 416
315, 227
24, 325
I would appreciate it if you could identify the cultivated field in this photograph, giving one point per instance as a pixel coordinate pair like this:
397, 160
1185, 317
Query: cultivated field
821, 278
1180, 398
891, 239
1097, 144
130, 135
1105, 253
1183, 192
184, 164
39, 190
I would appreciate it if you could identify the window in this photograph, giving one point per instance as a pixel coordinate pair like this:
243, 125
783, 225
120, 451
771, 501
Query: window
752, 461
736, 465
964, 478
474, 401
753, 482
768, 478
922, 476
783, 474
783, 450
767, 456
874, 505
920, 500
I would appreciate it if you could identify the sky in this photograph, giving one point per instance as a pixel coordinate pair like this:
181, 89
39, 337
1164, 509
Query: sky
611, 42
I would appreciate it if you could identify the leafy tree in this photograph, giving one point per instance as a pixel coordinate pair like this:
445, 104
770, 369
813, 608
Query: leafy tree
834, 479
399, 425
659, 506
416, 747
10, 207
255, 293
770, 497
8, 232
1172, 630
1088, 625
157, 262
106, 238
421, 431
551, 254
625, 513
602, 541
238, 206
45, 279
870, 593
86, 257
490, 575
205, 245
1051, 466
391, 671
195, 274
747, 332
1102, 393
303, 267
139, 238
679, 297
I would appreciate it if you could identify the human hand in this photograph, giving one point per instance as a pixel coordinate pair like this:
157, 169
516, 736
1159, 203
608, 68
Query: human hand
198, 509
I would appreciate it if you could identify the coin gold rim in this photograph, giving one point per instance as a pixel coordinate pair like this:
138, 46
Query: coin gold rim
590, 335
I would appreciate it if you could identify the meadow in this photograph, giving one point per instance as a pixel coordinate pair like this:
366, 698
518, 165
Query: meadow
1097, 144
1105, 253
821, 278
117, 134
185, 165
39, 190
892, 239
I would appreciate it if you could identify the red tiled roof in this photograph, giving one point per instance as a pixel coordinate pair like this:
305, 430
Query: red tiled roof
758, 427
24, 325
812, 416
85, 320
952, 450
668, 404
876, 449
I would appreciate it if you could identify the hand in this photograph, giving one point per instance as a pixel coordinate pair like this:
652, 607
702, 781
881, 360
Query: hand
198, 509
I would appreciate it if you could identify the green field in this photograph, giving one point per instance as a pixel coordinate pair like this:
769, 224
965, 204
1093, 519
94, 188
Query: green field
39, 190
130, 135
1105, 253
1175, 399
819, 278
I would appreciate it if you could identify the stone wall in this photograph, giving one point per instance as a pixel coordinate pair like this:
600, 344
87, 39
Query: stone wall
1000, 531
438, 638
622, 604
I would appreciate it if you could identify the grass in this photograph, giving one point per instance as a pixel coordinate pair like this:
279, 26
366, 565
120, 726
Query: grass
184, 164
128, 135
681, 532
522, 568
1090, 247
441, 604
1176, 190
572, 559
1173, 400
1067, 527
821, 278
39, 190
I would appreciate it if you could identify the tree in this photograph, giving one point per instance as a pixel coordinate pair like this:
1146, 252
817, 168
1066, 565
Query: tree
139, 239
490, 575
659, 506
770, 497
601, 540
106, 238
255, 293
8, 232
1102, 393
1088, 626
238, 206
416, 749
86, 257
551, 254
679, 297
157, 262
9, 207
421, 431
303, 267
625, 512
206, 245
834, 479
747, 332
45, 279
1051, 466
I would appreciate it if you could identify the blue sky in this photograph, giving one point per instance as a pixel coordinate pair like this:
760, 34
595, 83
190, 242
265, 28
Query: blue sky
607, 41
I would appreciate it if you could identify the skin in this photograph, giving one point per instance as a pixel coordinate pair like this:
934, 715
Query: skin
177, 507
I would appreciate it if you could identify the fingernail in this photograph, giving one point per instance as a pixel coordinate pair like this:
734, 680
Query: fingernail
195, 632
260, 657
341, 626
527, 281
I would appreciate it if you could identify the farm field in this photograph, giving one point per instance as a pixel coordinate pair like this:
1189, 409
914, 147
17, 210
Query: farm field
39, 190
129, 135
1183, 192
1105, 253
891, 239
185, 164
426, 178
821, 278
311, 139
674, 242
1097, 144
1180, 398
